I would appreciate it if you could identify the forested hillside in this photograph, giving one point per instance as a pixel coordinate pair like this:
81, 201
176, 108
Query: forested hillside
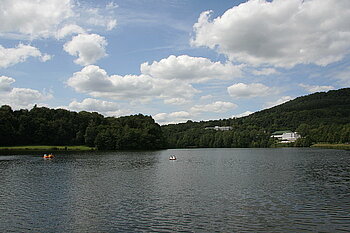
319, 117
44, 126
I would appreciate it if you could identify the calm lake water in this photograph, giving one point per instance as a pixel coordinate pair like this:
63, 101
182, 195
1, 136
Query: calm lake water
204, 190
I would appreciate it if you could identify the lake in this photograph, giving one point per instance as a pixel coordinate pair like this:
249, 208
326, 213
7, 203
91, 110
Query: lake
204, 190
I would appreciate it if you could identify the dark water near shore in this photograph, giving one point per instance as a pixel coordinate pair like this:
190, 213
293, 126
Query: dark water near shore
205, 190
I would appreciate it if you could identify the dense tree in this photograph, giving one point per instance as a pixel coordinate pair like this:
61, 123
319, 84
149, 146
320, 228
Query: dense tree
7, 125
319, 117
44, 126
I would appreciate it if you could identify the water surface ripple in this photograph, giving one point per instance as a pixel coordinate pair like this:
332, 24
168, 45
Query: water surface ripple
204, 190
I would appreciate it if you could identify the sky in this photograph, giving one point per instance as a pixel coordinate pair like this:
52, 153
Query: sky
176, 60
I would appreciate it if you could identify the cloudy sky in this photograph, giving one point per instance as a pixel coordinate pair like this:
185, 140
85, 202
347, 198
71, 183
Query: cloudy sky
176, 60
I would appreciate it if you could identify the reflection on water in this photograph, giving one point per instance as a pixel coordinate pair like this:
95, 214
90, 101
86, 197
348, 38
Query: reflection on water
205, 190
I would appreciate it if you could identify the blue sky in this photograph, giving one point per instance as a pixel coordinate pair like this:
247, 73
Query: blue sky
176, 60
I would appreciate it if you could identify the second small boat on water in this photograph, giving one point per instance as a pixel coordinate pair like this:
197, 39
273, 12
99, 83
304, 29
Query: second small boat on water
172, 157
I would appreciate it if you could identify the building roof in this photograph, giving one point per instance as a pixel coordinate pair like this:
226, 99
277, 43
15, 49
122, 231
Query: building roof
281, 132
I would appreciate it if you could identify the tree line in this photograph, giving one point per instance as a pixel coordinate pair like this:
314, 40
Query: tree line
44, 126
319, 117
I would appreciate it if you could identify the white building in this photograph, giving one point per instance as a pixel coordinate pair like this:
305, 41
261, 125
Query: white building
220, 128
285, 136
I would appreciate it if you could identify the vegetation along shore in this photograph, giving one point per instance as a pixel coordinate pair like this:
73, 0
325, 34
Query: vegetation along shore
320, 117
47, 148
332, 146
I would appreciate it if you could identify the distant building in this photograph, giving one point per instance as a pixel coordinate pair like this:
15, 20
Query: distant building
286, 136
220, 128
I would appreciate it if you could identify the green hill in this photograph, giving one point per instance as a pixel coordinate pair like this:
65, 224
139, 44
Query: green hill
319, 117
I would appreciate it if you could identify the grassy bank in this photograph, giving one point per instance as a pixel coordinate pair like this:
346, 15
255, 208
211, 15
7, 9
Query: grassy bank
48, 148
280, 145
332, 146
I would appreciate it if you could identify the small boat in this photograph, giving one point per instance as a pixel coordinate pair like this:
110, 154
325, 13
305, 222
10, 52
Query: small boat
172, 157
49, 156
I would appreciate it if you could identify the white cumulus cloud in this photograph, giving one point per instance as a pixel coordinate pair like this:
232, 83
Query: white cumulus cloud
315, 88
172, 118
217, 107
243, 114
96, 82
89, 48
176, 101
242, 90
5, 84
19, 97
12, 56
33, 19
279, 101
94, 105
69, 29
281, 33
90, 104
169, 79
192, 69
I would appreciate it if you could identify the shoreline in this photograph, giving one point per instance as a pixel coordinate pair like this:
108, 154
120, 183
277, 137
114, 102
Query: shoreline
86, 148
47, 148
331, 146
